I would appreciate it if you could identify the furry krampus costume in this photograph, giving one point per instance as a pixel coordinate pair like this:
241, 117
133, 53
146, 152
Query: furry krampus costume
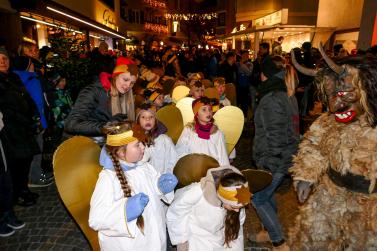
337, 159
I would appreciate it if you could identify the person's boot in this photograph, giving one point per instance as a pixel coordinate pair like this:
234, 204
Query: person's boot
12, 221
5, 230
260, 237
281, 247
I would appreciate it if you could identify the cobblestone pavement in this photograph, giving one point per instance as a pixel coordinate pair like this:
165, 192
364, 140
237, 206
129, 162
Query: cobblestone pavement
50, 227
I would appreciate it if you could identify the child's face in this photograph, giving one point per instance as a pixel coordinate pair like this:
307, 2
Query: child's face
220, 89
197, 92
205, 114
132, 153
159, 101
147, 120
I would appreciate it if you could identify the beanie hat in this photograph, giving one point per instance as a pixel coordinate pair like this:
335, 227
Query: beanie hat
21, 63
124, 61
269, 68
4, 51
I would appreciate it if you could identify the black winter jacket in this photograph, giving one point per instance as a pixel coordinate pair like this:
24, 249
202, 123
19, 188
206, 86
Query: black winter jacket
275, 140
17, 108
91, 111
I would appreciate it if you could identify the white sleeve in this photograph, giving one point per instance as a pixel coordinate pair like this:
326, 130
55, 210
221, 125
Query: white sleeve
183, 144
179, 212
170, 154
106, 214
238, 244
222, 151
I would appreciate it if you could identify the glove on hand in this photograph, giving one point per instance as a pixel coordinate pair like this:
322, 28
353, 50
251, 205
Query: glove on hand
119, 117
135, 206
167, 182
303, 190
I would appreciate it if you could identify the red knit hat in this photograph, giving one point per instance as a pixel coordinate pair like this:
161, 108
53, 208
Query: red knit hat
124, 61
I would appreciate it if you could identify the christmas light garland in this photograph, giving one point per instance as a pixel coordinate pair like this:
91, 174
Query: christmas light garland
188, 16
156, 3
158, 28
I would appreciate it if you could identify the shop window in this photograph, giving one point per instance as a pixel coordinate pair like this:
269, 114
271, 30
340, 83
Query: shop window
141, 17
221, 19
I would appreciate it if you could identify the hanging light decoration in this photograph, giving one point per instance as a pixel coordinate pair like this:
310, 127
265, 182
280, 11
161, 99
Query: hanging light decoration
156, 3
191, 16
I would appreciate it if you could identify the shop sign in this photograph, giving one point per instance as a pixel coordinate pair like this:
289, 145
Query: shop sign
108, 20
242, 27
278, 17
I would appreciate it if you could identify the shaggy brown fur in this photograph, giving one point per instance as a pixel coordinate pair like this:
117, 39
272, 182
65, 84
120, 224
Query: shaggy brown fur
335, 218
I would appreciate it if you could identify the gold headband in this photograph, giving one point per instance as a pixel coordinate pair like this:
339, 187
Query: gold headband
120, 139
237, 195
119, 69
154, 96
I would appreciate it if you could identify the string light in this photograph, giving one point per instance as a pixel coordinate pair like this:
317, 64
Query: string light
158, 28
191, 16
155, 3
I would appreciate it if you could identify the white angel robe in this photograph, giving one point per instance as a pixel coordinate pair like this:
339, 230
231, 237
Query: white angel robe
161, 155
189, 142
108, 215
192, 218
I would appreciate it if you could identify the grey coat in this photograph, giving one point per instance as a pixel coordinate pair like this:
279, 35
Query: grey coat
275, 139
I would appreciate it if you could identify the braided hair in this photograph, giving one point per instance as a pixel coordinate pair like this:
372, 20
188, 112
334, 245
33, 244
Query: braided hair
116, 128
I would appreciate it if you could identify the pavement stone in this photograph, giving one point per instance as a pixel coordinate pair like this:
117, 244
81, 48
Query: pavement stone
50, 227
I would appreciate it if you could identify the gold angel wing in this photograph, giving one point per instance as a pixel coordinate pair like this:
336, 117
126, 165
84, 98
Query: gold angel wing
180, 92
192, 167
230, 120
171, 117
185, 106
211, 92
230, 93
257, 179
207, 83
76, 169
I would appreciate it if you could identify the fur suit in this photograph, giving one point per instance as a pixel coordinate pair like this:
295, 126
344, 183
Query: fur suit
336, 217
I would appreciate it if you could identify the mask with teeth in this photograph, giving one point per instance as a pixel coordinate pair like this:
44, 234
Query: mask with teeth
343, 95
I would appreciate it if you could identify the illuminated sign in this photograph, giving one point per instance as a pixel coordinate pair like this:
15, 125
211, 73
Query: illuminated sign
108, 20
278, 17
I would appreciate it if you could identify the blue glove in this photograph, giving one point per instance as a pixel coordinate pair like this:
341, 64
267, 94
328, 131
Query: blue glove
135, 206
167, 182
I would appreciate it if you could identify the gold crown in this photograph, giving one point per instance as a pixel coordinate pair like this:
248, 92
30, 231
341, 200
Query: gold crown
120, 139
240, 195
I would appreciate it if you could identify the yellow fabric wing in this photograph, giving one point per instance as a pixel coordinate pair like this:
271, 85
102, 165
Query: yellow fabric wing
76, 169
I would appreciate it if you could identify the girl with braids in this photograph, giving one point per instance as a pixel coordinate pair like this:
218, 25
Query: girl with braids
202, 135
159, 148
125, 207
209, 215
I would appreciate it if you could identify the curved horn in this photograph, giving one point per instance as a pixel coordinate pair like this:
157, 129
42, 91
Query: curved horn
336, 68
302, 69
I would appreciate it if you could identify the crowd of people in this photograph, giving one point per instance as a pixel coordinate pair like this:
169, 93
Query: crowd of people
118, 111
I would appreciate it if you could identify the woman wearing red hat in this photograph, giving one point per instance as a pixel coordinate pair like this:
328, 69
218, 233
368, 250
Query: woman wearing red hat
109, 98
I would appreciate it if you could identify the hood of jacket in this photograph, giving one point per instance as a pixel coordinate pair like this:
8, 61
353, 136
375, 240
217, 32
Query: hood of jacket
210, 181
275, 83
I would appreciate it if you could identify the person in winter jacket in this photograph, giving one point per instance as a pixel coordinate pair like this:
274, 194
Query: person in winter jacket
109, 98
275, 142
8, 219
18, 133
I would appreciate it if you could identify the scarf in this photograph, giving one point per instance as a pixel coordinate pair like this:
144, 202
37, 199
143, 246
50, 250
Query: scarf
203, 131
